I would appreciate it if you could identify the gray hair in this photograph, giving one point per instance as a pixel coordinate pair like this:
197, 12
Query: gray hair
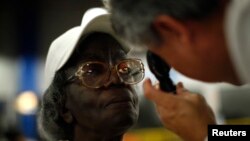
52, 127
132, 19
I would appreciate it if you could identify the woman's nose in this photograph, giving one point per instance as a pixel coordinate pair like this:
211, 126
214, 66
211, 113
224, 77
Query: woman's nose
114, 78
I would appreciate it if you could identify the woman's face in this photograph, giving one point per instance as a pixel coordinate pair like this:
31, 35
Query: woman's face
110, 109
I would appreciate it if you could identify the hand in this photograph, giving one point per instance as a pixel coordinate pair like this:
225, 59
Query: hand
186, 114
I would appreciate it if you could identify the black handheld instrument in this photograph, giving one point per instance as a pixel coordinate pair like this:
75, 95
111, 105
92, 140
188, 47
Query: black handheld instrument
161, 71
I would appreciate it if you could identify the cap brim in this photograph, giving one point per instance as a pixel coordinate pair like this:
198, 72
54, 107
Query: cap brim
94, 20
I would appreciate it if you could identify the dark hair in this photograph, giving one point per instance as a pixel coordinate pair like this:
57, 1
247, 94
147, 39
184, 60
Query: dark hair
132, 19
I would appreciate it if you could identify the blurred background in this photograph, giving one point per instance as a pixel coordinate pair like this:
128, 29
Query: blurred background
26, 30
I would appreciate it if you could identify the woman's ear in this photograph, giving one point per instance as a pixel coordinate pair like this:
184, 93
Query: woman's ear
170, 29
67, 116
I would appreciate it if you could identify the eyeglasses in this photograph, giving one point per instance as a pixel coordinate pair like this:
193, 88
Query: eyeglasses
95, 74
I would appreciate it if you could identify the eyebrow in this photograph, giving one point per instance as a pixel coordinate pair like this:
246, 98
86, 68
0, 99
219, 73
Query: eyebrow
87, 57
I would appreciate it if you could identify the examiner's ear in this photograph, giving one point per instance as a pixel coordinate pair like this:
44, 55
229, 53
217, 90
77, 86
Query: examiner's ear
67, 116
169, 28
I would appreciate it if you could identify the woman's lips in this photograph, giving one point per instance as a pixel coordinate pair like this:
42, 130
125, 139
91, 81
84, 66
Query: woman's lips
118, 97
119, 104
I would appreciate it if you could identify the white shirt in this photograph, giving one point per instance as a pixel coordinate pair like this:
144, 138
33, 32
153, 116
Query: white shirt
237, 29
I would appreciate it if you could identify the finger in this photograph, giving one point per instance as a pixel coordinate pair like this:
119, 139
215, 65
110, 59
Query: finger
180, 89
166, 115
157, 86
157, 96
148, 89
180, 85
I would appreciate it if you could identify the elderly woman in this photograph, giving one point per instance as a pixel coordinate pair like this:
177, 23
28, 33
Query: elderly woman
90, 95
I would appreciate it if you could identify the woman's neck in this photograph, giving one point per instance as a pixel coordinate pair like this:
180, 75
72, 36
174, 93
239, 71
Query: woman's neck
84, 135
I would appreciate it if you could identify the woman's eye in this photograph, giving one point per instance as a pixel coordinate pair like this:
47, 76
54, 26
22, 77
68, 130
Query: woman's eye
124, 70
92, 72
89, 72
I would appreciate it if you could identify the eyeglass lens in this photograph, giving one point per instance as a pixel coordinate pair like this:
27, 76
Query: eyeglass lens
130, 71
96, 74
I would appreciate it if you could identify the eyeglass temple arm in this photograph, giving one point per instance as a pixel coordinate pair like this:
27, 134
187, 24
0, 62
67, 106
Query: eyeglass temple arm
71, 78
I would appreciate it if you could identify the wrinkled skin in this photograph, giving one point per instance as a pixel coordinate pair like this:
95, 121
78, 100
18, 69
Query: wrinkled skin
105, 113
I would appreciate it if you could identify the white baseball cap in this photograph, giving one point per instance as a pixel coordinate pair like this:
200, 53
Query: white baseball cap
94, 20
